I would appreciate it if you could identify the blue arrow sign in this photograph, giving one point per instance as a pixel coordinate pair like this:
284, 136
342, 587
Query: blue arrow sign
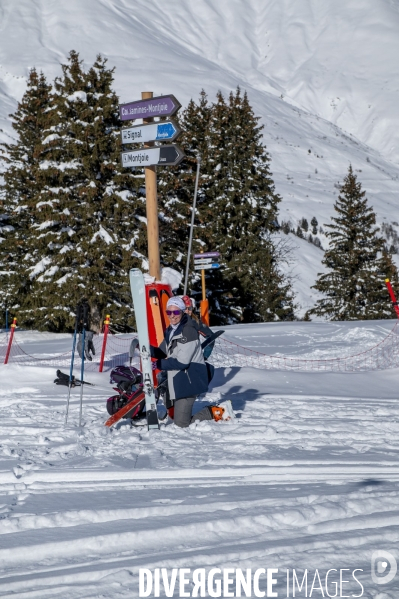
216, 265
166, 131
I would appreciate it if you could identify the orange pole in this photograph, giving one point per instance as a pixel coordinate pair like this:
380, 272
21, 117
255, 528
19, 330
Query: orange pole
205, 312
204, 304
393, 298
14, 324
106, 328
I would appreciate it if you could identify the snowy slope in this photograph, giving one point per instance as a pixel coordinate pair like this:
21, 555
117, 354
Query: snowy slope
322, 74
305, 477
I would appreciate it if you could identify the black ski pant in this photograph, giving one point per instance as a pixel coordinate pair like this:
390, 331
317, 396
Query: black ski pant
183, 410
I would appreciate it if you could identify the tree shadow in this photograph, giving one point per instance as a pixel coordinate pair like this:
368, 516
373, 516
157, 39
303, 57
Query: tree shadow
238, 395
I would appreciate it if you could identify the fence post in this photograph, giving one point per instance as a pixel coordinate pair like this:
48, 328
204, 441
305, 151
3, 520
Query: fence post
14, 324
392, 295
106, 328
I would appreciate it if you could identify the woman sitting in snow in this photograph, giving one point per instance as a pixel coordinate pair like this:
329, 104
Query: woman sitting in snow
180, 355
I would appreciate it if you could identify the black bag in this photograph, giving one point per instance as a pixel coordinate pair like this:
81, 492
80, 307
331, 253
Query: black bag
210, 370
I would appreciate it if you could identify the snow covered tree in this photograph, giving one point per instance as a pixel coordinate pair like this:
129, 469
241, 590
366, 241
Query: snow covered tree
85, 207
356, 260
236, 210
21, 161
314, 224
304, 224
176, 185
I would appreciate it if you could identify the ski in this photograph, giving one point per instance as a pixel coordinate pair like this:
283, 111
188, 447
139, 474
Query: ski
164, 300
137, 287
211, 339
156, 315
138, 397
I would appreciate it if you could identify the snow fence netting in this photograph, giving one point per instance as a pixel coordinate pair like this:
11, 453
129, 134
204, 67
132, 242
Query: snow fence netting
116, 354
226, 354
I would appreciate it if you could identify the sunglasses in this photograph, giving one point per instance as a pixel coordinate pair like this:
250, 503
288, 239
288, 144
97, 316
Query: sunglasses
174, 312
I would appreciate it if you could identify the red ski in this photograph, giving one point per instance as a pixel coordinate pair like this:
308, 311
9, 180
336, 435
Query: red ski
137, 398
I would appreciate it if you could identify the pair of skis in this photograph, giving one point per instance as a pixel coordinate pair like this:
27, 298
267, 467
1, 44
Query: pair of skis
137, 287
81, 325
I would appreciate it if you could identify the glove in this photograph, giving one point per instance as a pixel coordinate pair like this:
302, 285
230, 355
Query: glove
89, 345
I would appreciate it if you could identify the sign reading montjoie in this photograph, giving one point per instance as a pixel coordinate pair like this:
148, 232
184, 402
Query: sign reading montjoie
206, 261
161, 156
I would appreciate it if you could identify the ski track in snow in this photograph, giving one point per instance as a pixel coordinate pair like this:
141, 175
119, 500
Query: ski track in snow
305, 477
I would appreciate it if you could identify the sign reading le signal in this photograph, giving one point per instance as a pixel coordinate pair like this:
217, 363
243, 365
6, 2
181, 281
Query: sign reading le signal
165, 131
169, 155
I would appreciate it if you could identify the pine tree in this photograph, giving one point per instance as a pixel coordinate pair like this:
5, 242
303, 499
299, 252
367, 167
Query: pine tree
87, 210
176, 185
356, 260
304, 225
21, 160
314, 224
237, 210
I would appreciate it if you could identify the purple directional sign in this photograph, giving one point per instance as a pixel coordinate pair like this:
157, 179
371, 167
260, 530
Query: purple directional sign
144, 109
207, 255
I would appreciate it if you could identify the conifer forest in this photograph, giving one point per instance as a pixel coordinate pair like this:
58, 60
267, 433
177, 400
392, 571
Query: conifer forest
73, 219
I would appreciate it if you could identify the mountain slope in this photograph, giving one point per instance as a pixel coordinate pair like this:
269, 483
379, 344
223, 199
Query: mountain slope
308, 66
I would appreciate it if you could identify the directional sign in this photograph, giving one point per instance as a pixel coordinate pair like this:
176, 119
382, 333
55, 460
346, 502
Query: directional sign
207, 266
207, 255
163, 156
204, 261
144, 109
167, 131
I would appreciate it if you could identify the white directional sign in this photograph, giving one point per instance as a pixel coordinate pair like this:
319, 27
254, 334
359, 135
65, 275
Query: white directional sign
165, 131
163, 156
204, 261
206, 266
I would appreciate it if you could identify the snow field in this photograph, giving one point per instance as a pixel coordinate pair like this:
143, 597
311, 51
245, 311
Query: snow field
305, 477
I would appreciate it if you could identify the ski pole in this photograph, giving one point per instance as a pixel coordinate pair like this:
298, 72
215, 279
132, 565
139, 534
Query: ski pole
78, 317
82, 368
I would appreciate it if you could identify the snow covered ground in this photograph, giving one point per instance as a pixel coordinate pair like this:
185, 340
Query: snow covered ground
306, 477
321, 74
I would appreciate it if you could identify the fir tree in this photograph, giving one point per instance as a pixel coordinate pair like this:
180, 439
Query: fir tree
357, 263
314, 224
176, 185
236, 210
304, 225
87, 210
21, 160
